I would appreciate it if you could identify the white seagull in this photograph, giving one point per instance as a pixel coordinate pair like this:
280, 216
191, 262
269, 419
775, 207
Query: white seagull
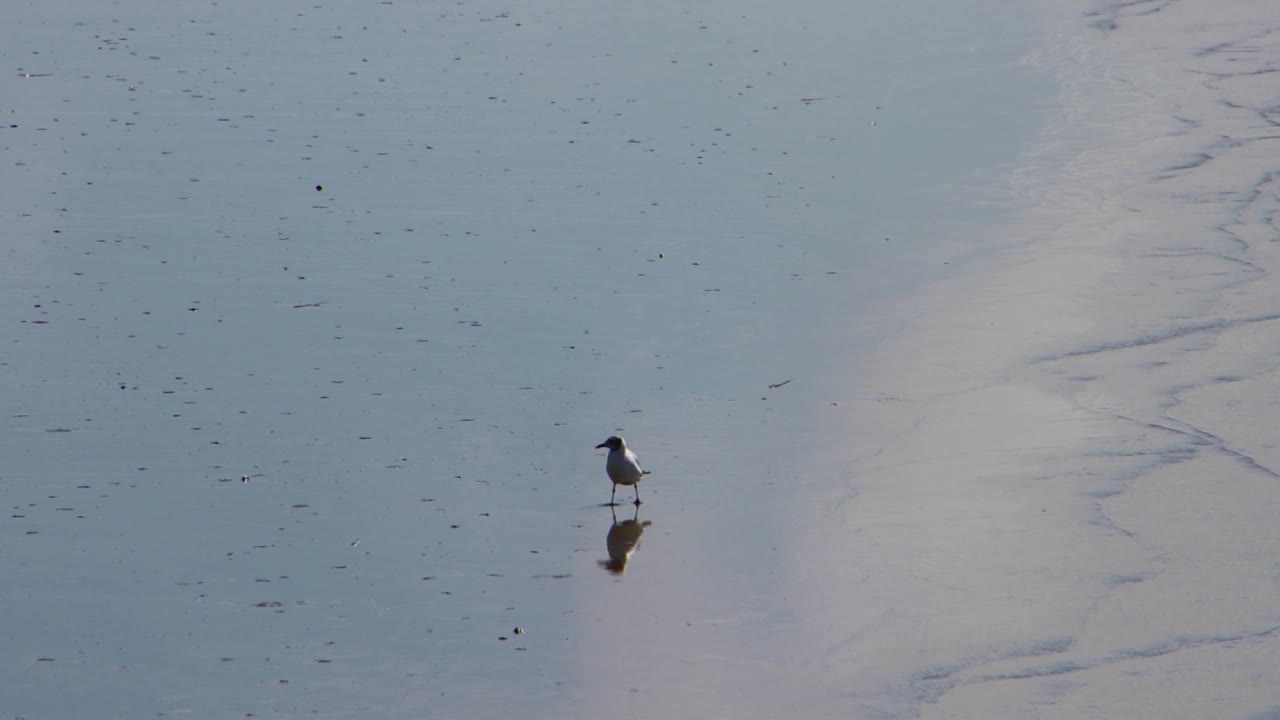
622, 465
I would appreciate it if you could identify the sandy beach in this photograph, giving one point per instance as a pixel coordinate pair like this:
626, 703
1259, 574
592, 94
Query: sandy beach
1088, 424
947, 334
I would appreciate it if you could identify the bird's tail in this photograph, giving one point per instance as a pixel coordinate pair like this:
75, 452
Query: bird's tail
645, 472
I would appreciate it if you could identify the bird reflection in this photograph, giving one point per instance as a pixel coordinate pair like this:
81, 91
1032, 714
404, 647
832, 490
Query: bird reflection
622, 541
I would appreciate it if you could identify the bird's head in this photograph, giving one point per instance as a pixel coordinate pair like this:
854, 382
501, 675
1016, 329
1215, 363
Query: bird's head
613, 443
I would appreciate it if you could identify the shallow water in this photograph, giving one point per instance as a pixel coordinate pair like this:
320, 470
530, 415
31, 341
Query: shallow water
314, 315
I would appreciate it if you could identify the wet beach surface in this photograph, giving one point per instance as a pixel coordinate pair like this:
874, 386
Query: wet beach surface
1088, 438
313, 316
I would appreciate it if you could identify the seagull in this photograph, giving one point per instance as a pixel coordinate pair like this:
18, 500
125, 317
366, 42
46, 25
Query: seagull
622, 465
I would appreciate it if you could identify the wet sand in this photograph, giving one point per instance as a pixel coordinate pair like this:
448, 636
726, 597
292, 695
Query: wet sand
947, 340
1085, 443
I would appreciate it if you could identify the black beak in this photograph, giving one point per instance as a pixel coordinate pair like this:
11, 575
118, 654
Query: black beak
603, 444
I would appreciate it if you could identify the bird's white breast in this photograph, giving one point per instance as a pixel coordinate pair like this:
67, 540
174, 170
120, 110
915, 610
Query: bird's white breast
623, 467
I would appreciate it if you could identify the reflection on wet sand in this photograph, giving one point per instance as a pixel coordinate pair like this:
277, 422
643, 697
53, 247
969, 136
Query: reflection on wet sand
622, 541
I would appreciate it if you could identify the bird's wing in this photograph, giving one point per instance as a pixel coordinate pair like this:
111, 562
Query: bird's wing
636, 460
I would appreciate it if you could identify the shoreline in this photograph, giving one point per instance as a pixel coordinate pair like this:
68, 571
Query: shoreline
1085, 424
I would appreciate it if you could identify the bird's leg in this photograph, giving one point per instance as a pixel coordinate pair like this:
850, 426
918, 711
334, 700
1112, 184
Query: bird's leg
612, 494
637, 487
